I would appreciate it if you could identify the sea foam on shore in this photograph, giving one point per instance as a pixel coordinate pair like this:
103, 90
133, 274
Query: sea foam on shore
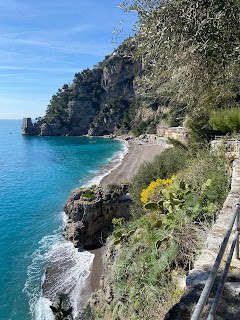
68, 269
113, 163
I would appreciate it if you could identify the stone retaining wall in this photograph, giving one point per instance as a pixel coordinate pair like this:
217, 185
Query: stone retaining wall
230, 301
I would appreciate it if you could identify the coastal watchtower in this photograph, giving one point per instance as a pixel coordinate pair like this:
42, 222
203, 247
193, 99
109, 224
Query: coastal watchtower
27, 126
27, 122
28, 129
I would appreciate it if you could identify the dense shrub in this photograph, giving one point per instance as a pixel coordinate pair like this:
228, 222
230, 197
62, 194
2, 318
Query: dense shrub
156, 248
164, 166
153, 191
209, 177
226, 120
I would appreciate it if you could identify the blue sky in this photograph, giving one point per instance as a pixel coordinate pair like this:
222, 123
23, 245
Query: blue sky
44, 43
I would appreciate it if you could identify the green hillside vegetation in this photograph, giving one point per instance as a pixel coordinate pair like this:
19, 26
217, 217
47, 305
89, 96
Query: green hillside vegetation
174, 205
190, 56
190, 50
226, 120
86, 86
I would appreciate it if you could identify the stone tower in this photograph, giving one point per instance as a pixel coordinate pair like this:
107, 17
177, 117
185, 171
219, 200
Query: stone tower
28, 129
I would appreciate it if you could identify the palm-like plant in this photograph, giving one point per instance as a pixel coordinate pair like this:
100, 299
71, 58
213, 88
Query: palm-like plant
59, 311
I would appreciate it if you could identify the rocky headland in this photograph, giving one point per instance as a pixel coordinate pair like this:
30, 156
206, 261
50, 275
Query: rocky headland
101, 101
90, 213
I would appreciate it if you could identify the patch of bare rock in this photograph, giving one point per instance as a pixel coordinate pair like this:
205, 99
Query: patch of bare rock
90, 213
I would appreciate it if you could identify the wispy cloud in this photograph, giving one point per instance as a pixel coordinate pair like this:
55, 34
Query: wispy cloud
91, 47
9, 75
38, 69
78, 29
9, 53
44, 43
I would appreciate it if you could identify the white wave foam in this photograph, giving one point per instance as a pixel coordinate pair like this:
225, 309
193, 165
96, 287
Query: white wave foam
64, 219
113, 163
42, 309
36, 270
69, 269
67, 272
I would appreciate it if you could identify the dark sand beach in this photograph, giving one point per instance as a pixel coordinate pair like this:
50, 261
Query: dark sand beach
137, 153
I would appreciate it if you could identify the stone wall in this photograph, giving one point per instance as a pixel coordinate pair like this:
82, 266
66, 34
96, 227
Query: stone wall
230, 301
30, 129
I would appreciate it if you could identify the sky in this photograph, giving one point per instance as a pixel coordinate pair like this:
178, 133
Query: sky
44, 43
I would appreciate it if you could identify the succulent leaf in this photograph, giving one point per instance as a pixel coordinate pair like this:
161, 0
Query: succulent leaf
151, 206
166, 204
176, 183
208, 182
117, 234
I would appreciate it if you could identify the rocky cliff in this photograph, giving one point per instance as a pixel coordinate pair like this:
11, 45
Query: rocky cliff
90, 212
95, 103
102, 101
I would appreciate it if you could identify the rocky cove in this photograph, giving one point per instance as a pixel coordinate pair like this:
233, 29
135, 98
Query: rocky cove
190, 285
106, 101
89, 214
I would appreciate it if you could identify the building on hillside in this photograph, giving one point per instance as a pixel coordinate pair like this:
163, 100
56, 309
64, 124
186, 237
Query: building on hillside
178, 133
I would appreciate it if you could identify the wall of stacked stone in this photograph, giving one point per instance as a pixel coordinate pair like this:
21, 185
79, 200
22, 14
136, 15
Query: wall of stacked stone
196, 279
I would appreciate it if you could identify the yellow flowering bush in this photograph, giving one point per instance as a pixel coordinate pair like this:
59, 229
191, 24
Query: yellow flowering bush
153, 191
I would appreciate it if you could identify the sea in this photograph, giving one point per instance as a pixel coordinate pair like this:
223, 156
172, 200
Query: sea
37, 175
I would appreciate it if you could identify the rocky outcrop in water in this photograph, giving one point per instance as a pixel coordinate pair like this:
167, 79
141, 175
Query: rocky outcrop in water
90, 212
30, 129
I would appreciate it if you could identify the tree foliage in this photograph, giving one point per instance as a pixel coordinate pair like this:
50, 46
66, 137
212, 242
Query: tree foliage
193, 48
226, 120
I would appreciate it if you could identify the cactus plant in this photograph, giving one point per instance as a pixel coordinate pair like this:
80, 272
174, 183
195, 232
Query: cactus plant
173, 197
119, 236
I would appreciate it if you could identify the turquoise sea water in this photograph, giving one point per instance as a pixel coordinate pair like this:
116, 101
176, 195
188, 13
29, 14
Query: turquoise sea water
36, 176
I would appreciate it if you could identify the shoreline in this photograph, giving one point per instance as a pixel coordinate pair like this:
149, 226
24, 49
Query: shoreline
113, 163
121, 168
138, 152
125, 163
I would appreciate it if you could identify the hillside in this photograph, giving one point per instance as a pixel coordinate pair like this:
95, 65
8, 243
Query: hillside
104, 100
